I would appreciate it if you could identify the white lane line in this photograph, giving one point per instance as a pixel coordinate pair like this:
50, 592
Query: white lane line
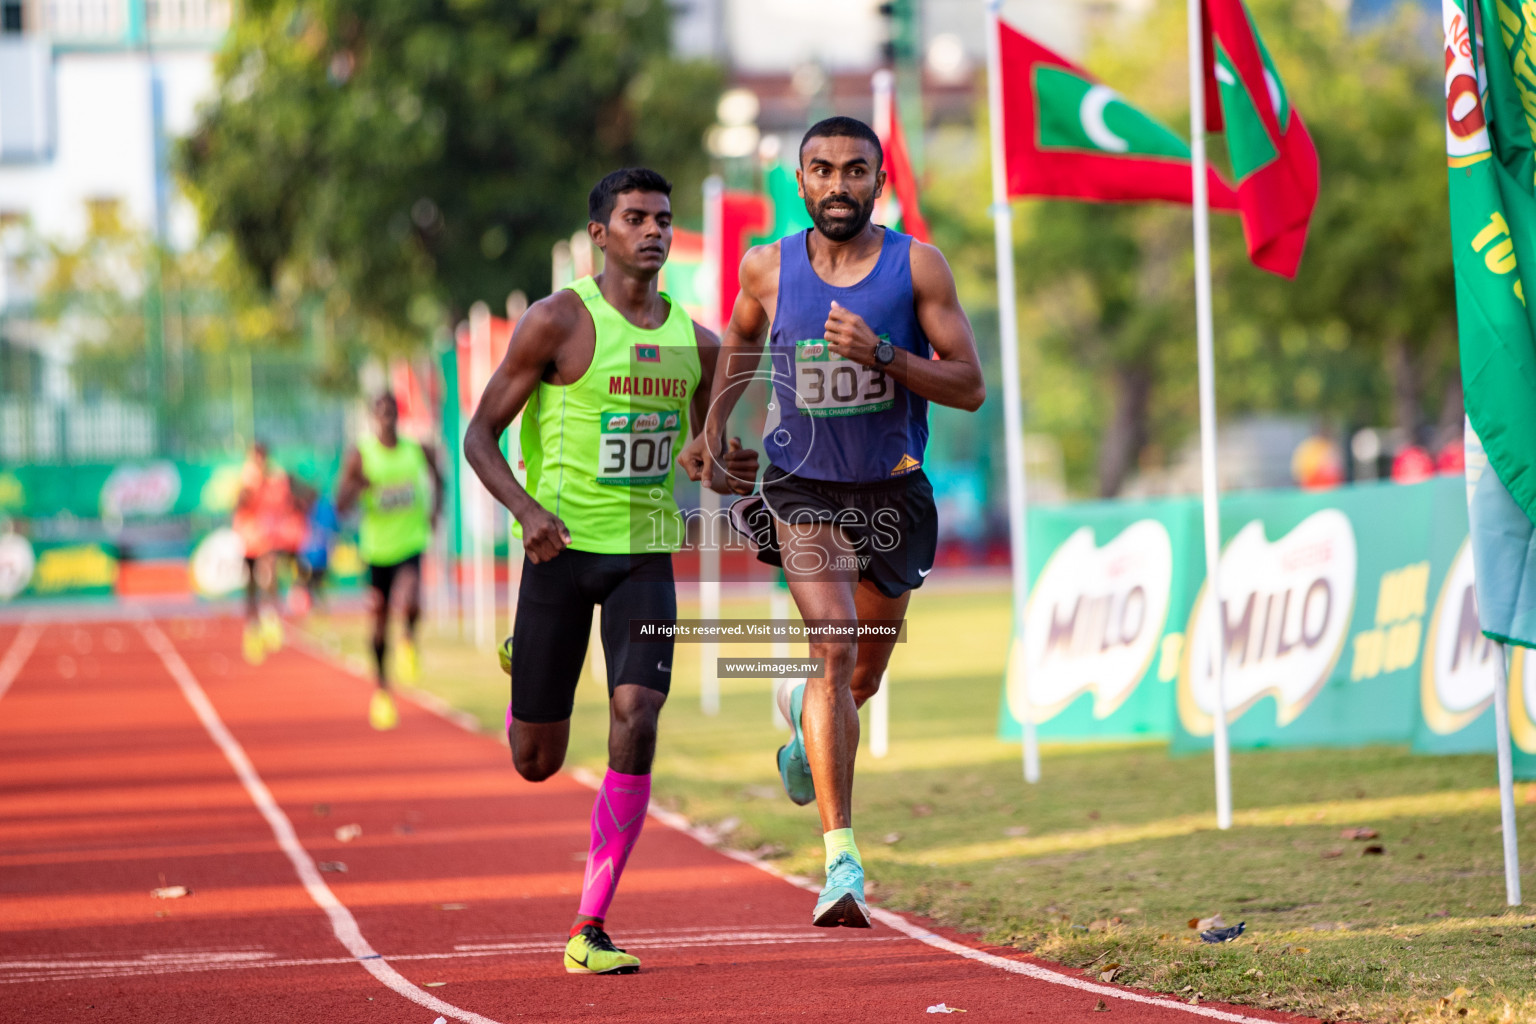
343, 924
69, 969
20, 650
708, 838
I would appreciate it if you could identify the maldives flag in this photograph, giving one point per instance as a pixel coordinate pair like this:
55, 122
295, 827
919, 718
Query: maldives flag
1068, 135
1272, 155
900, 182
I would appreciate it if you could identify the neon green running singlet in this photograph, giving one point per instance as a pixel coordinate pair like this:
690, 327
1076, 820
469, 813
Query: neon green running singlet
600, 452
397, 520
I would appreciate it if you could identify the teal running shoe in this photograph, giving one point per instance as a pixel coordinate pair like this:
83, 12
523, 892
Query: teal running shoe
794, 766
841, 902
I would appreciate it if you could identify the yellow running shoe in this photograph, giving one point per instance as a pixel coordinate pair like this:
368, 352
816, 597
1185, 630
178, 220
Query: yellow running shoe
591, 951
407, 662
382, 713
251, 645
271, 630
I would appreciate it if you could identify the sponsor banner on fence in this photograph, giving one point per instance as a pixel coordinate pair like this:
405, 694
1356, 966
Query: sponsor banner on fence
1348, 617
1101, 636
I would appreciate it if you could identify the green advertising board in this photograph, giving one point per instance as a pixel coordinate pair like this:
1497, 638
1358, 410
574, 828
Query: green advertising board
1108, 593
1348, 618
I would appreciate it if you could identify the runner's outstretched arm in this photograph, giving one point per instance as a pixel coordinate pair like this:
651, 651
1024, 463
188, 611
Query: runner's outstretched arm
352, 482
954, 378
430, 453
535, 342
740, 353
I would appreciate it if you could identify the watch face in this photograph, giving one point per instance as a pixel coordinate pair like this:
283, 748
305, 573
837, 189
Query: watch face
884, 353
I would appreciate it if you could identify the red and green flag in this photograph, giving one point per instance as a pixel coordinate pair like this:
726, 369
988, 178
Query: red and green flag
1273, 158
901, 211
1068, 135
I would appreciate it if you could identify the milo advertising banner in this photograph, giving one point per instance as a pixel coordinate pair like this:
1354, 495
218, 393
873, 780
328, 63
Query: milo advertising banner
1102, 634
1321, 621
52, 570
1348, 617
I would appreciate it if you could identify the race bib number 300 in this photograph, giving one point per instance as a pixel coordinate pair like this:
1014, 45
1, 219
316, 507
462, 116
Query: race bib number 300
830, 385
636, 448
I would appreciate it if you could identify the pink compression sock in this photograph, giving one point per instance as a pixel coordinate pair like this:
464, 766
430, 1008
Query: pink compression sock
618, 812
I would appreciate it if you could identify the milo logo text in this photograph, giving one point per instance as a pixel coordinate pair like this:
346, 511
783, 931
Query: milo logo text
1285, 612
1094, 621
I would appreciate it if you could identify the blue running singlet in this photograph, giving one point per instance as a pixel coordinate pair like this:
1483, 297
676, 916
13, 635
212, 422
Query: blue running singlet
830, 418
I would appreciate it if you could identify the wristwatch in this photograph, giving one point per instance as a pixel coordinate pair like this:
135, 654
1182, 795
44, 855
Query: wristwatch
885, 352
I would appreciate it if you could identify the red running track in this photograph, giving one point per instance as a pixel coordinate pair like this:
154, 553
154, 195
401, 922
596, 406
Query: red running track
140, 754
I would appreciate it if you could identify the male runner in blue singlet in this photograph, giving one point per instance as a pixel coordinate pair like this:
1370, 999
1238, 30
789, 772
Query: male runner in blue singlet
859, 312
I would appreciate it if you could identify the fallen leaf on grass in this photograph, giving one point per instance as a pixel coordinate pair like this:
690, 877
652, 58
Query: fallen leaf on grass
347, 833
1332, 853
921, 810
891, 838
1107, 975
1359, 833
1016, 830
1374, 848
1253, 972
1202, 923
170, 892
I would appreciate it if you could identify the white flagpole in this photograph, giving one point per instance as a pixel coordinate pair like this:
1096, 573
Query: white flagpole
1008, 336
1506, 778
709, 501
1207, 359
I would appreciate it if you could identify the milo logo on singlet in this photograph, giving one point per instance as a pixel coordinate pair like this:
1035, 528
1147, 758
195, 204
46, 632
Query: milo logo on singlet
827, 384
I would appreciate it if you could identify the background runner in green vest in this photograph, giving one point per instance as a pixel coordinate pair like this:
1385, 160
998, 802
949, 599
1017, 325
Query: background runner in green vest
610, 377
391, 475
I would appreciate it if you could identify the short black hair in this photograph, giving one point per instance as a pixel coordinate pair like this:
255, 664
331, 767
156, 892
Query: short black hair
605, 194
846, 128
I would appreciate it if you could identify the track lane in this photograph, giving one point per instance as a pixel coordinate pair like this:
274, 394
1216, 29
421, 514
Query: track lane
464, 879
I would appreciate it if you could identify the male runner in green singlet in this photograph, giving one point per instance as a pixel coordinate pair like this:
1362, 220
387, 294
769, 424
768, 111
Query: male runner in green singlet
390, 474
610, 376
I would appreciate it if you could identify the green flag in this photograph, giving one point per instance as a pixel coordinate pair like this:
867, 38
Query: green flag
1490, 104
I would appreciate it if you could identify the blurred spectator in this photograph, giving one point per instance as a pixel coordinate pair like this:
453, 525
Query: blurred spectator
1452, 459
1411, 464
1317, 464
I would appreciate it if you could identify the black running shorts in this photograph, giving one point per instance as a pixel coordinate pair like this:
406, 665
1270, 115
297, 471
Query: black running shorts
554, 621
892, 524
382, 577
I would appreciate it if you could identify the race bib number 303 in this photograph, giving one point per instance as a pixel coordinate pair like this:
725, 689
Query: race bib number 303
636, 448
830, 385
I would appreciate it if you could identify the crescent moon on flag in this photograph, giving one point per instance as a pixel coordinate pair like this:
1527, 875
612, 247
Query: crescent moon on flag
1091, 113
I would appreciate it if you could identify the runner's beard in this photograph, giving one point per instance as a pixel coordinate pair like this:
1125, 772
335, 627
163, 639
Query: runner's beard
841, 230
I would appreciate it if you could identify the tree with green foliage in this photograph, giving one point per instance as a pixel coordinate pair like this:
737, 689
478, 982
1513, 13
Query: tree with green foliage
409, 158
